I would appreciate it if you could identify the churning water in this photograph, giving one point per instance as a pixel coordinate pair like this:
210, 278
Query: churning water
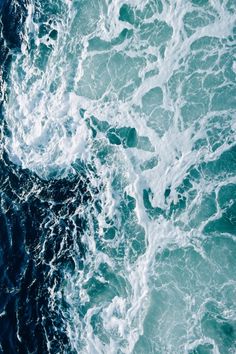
118, 171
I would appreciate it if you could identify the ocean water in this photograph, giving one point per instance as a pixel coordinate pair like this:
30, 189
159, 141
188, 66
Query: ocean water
117, 177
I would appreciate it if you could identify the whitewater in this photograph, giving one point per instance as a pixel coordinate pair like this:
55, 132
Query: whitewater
136, 99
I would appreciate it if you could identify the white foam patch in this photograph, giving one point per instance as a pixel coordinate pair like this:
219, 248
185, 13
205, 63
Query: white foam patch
234, 66
48, 134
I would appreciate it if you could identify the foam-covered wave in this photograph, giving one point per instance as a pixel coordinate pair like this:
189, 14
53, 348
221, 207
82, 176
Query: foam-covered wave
42, 113
139, 96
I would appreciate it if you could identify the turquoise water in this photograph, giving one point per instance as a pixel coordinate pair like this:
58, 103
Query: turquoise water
139, 96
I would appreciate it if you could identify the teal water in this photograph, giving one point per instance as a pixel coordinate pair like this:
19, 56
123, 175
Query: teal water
141, 97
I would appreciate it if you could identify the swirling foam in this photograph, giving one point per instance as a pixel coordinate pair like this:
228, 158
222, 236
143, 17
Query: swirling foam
153, 84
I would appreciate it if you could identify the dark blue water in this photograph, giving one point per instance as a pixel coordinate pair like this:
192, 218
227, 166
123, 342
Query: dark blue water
27, 319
